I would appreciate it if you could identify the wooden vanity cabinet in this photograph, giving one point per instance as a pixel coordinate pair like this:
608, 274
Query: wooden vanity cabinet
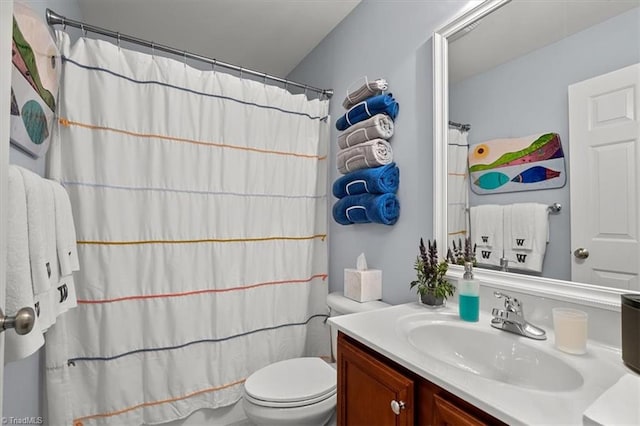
375, 391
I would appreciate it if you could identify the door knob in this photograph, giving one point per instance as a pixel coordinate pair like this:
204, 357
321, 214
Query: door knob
581, 253
396, 407
23, 321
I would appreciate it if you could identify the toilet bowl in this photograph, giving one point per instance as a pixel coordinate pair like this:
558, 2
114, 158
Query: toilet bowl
299, 391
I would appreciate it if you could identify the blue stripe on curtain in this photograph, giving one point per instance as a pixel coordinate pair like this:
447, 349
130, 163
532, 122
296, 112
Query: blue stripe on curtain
184, 345
160, 83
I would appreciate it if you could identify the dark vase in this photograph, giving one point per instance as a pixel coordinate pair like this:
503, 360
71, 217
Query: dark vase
431, 300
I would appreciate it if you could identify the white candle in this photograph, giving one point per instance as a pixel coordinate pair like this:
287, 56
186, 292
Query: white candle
570, 328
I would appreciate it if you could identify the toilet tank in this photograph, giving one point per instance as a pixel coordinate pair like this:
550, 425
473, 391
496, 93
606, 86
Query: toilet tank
341, 305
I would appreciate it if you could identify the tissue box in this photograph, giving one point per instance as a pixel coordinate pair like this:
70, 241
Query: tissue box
363, 286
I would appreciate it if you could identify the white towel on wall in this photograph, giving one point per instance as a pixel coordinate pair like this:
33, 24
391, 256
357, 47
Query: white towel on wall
537, 218
47, 299
65, 231
487, 233
19, 292
63, 294
40, 264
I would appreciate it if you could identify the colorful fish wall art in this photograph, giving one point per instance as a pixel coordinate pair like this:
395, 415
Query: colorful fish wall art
517, 164
34, 82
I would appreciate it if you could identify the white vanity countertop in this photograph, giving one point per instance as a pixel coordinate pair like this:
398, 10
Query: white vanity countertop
601, 367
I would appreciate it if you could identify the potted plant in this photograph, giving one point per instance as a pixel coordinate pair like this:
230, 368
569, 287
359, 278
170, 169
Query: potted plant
462, 253
432, 286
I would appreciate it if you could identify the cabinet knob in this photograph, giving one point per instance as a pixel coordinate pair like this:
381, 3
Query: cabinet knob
396, 407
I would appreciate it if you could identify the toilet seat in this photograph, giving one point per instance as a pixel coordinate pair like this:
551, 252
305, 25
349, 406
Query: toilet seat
291, 383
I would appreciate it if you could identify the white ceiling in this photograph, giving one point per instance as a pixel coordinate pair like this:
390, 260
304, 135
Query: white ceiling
270, 36
523, 26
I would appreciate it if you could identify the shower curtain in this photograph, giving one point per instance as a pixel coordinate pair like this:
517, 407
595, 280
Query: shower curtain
201, 213
457, 187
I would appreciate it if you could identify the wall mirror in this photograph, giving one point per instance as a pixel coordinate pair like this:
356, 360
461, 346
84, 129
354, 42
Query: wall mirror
500, 70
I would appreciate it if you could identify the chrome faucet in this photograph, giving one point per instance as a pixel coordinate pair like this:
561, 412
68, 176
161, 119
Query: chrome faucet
511, 319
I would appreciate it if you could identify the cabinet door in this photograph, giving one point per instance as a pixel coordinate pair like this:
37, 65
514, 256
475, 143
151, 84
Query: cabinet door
370, 393
447, 414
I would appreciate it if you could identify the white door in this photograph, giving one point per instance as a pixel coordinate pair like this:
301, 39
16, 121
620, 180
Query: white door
604, 135
6, 18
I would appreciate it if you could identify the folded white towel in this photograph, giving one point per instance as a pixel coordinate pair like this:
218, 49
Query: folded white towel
374, 153
65, 231
538, 218
526, 219
618, 405
40, 264
47, 299
378, 126
487, 233
19, 291
63, 297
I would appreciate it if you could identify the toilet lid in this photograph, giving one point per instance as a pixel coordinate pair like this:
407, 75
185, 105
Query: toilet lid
292, 380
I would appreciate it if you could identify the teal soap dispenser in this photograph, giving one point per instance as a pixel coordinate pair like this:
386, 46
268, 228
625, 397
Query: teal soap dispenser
469, 295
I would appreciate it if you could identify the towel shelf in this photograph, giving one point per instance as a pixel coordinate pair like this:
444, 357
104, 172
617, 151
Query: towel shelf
23, 321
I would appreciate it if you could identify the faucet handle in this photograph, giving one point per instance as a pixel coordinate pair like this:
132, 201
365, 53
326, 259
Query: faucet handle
511, 303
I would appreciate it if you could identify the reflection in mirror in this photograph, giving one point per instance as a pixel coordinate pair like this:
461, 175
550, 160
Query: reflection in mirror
503, 87
509, 77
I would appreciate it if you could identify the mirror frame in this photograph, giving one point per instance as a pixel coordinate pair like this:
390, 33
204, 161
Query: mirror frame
569, 291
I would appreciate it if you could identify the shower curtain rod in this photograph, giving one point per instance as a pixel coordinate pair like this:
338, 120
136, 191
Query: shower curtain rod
463, 127
54, 18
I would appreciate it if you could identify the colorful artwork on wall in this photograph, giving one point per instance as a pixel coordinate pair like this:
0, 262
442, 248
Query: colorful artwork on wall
517, 164
34, 82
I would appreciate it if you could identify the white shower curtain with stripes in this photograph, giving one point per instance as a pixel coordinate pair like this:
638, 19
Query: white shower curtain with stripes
457, 187
201, 212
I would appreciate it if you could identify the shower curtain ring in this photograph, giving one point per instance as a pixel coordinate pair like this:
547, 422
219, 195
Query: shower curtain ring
286, 83
153, 50
185, 58
240, 72
84, 31
264, 79
305, 89
118, 37
64, 24
213, 66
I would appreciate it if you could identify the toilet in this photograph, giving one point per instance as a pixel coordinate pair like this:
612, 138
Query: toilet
299, 391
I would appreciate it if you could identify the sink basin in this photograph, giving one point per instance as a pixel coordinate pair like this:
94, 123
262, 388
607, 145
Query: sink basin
492, 354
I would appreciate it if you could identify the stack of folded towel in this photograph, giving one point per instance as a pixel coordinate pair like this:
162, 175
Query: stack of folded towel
367, 190
41, 256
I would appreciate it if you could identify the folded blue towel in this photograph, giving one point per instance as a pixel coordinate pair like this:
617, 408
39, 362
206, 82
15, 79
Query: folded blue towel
368, 108
366, 208
377, 180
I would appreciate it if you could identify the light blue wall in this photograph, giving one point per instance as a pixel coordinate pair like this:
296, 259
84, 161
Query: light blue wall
389, 39
24, 380
529, 95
